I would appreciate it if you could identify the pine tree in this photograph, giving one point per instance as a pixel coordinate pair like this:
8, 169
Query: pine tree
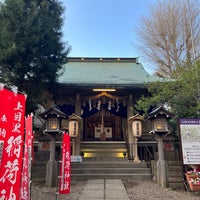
31, 50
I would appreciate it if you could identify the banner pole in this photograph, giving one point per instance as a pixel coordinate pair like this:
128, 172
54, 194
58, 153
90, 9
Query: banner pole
57, 185
58, 177
57, 188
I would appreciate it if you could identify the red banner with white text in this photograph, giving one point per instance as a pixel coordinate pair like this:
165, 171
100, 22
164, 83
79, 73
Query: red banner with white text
65, 167
12, 111
26, 169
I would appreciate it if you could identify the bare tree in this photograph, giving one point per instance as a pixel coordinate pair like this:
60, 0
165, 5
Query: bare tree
170, 34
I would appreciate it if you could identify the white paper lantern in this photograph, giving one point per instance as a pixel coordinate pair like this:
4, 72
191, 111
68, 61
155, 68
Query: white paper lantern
73, 128
137, 128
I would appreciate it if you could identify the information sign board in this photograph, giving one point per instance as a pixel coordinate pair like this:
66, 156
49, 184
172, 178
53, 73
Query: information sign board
190, 140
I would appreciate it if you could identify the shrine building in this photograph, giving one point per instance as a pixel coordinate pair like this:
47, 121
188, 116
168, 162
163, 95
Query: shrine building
103, 93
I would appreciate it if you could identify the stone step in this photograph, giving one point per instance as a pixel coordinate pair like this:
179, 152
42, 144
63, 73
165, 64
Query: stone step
175, 173
107, 164
110, 171
174, 168
174, 163
105, 159
39, 163
173, 179
111, 176
38, 174
41, 179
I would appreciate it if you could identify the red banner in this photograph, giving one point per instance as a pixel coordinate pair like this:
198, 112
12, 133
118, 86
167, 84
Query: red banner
12, 109
26, 169
65, 167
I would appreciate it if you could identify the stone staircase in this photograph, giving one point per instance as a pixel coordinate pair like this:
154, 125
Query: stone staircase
114, 168
108, 160
100, 160
94, 169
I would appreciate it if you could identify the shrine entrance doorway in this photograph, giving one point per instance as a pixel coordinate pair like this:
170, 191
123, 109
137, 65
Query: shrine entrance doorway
104, 117
111, 130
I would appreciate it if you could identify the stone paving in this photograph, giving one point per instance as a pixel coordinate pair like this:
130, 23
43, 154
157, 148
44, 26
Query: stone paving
107, 189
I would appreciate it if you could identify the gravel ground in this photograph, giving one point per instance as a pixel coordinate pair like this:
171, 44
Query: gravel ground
148, 190
137, 190
39, 192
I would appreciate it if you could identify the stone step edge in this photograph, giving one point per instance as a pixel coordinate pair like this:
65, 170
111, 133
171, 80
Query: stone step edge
111, 162
110, 174
111, 168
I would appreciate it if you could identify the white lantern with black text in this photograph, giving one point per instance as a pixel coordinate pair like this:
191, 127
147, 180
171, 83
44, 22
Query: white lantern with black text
137, 128
74, 121
73, 128
136, 123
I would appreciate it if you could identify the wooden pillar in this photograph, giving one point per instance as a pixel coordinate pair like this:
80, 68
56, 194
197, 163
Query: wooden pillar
130, 114
131, 139
80, 130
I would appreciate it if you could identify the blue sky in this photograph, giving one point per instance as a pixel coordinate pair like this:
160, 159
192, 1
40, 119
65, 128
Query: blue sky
103, 28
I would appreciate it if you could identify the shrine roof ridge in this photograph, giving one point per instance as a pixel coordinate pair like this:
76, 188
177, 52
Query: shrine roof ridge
104, 59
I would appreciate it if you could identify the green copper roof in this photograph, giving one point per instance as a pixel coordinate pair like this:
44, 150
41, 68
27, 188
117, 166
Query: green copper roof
105, 71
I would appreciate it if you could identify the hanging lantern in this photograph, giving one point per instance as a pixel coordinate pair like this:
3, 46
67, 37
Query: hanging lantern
73, 128
137, 128
136, 121
74, 125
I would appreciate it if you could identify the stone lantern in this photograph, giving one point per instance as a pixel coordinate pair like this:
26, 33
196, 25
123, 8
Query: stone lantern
53, 118
159, 118
136, 122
